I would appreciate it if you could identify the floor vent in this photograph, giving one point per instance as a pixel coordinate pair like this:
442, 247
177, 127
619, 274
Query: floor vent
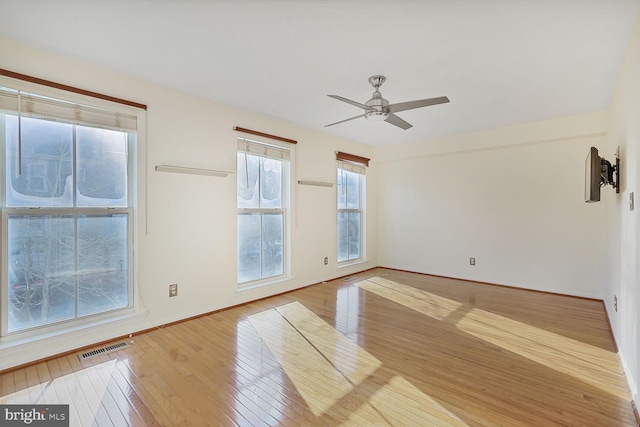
103, 350
348, 279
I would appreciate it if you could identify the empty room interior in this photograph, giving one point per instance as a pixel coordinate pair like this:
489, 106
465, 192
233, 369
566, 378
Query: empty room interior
278, 212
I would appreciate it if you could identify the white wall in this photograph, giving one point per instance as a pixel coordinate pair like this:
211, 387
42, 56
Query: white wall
623, 279
191, 224
513, 198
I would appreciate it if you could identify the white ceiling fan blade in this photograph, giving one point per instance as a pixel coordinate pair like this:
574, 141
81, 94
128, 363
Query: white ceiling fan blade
410, 105
345, 120
397, 121
348, 101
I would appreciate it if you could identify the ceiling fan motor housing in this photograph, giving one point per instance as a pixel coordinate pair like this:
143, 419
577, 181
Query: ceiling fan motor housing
377, 106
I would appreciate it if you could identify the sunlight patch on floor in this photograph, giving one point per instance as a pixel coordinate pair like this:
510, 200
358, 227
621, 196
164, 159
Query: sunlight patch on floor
406, 404
297, 339
432, 305
83, 391
583, 361
335, 376
579, 360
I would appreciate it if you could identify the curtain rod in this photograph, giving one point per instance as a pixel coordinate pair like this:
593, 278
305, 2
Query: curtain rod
352, 158
265, 135
73, 89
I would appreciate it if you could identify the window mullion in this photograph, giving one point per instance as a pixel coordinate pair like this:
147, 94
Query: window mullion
261, 215
261, 244
76, 283
74, 164
348, 236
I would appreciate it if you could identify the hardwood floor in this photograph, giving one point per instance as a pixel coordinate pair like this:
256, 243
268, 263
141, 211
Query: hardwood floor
388, 348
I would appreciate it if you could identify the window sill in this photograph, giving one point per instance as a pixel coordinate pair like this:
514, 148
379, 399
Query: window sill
352, 262
28, 347
248, 286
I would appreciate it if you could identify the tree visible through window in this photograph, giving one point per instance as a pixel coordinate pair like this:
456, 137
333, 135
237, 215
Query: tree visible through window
67, 214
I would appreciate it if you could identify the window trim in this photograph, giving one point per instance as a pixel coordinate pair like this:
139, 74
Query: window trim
136, 175
361, 210
253, 147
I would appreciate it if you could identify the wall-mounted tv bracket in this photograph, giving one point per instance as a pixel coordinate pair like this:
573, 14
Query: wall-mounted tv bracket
610, 174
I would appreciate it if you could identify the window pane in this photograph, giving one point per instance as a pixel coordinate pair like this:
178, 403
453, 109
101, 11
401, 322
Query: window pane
343, 236
270, 183
102, 263
353, 190
342, 189
348, 189
349, 236
41, 267
272, 235
47, 152
247, 184
354, 235
249, 227
102, 167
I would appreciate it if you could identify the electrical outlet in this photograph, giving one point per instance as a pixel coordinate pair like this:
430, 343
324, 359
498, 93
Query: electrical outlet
615, 303
173, 290
326, 260
472, 261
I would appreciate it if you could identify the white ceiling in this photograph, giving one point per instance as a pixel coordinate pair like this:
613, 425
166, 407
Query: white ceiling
500, 62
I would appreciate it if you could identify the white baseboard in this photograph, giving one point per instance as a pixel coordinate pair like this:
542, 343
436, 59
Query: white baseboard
633, 386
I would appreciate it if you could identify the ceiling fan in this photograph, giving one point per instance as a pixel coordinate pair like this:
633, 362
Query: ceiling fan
379, 109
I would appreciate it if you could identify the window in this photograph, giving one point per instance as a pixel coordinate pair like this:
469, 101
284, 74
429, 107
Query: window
262, 200
66, 210
351, 181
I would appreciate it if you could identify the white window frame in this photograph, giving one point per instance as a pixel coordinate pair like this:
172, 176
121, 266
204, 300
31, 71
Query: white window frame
134, 150
361, 171
277, 151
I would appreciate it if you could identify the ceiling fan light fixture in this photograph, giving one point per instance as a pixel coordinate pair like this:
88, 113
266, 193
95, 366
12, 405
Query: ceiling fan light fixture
376, 116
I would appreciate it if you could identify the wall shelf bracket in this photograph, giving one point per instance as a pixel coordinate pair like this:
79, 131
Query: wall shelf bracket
192, 171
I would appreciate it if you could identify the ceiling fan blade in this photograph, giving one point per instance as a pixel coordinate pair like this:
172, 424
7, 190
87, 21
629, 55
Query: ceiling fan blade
345, 120
397, 121
348, 101
410, 105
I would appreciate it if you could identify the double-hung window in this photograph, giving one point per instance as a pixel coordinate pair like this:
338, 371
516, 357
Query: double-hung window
351, 181
66, 209
262, 202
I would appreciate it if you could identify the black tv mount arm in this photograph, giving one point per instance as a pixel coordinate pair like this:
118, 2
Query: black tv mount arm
610, 174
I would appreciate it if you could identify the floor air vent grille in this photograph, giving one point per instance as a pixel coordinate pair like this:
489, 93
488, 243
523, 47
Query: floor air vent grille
102, 350
348, 279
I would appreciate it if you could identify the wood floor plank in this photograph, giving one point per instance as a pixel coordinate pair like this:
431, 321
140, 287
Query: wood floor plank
136, 402
227, 388
120, 411
62, 392
156, 403
7, 386
198, 374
